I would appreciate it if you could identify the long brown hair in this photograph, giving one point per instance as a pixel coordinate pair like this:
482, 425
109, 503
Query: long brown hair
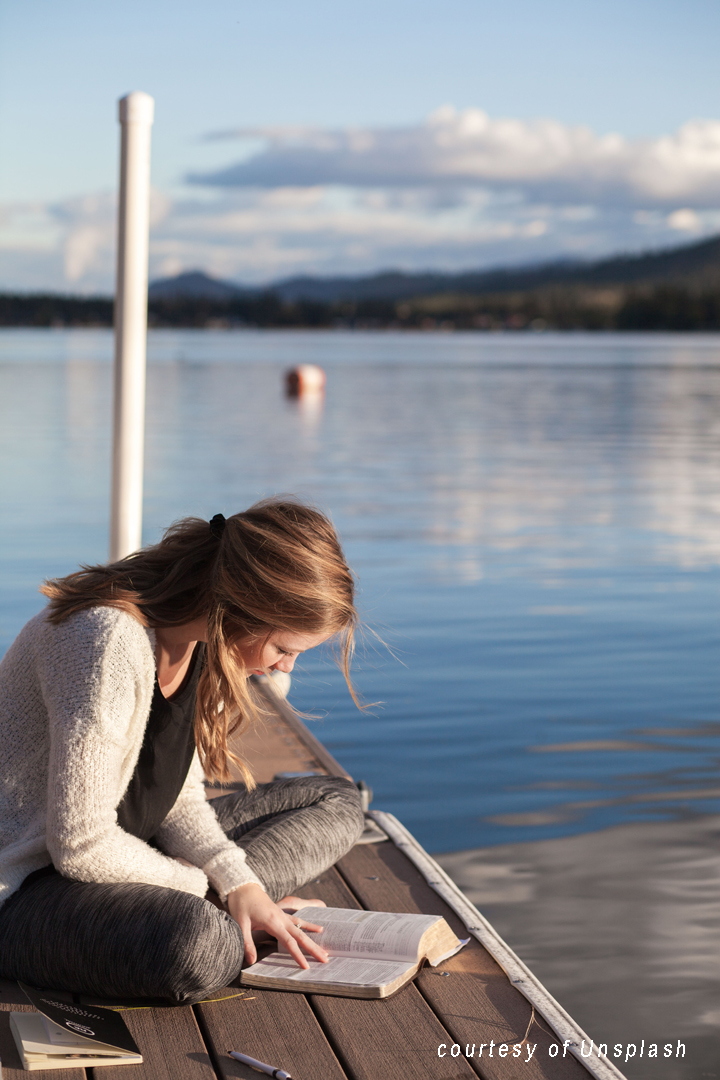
276, 566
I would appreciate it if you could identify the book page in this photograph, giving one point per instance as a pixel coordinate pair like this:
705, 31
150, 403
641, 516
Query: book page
349, 932
339, 969
462, 942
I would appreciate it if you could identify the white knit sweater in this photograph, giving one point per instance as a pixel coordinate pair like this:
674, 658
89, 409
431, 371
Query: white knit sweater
74, 703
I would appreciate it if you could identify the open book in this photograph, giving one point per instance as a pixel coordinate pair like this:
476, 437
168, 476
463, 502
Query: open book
66, 1036
372, 953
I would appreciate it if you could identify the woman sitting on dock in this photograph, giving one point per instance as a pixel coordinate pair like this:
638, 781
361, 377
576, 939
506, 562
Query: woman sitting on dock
113, 701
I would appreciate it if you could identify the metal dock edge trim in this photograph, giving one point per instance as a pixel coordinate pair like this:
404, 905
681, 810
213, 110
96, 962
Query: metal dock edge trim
519, 975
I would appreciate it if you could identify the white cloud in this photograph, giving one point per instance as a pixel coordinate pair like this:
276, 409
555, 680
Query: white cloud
685, 220
89, 235
543, 158
64, 245
460, 191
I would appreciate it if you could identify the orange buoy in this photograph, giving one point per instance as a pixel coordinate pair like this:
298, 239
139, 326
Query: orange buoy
305, 378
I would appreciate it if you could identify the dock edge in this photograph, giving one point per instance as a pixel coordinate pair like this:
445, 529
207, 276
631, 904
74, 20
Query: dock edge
566, 1029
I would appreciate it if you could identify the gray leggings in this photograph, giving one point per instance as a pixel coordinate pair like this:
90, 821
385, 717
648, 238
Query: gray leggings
135, 940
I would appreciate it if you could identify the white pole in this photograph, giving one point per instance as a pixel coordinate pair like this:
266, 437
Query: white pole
136, 117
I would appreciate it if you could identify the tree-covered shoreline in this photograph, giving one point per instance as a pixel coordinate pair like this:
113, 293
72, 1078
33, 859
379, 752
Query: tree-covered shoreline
570, 307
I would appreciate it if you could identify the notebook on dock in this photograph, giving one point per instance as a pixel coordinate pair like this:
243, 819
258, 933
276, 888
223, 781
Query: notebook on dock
62, 1035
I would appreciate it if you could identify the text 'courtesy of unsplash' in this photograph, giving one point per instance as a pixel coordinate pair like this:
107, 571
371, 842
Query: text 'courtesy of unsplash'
517, 1050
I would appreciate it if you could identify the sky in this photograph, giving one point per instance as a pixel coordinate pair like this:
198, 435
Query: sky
337, 138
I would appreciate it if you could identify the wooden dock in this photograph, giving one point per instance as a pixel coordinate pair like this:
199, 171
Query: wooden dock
469, 1000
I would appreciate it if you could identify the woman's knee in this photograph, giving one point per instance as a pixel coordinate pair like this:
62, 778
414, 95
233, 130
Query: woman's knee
345, 799
204, 956
339, 803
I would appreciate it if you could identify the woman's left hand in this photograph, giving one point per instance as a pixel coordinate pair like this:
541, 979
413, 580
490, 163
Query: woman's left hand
252, 909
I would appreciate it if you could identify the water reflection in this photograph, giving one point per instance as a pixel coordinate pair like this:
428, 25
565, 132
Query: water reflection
550, 461
622, 926
690, 779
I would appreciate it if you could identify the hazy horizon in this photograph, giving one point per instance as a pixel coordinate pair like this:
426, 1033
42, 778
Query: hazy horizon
380, 271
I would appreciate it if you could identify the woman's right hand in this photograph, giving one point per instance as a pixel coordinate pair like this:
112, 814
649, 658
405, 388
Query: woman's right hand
252, 909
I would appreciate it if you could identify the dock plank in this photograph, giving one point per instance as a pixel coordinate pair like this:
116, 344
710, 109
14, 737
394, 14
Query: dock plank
269, 747
278, 742
393, 1039
331, 888
294, 726
477, 1002
12, 999
278, 1028
170, 1042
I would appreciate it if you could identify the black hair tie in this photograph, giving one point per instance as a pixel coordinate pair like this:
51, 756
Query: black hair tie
217, 525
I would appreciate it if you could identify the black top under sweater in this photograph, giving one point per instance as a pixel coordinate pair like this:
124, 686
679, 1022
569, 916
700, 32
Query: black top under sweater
165, 756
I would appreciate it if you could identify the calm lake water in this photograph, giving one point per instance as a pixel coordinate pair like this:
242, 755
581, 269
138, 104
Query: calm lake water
535, 526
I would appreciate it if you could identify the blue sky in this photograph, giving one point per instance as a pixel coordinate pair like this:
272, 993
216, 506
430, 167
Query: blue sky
350, 157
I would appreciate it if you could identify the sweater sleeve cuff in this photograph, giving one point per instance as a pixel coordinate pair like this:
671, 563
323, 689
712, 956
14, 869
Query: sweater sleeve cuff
227, 870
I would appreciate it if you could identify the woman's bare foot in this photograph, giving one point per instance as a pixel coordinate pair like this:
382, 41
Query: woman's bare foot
294, 903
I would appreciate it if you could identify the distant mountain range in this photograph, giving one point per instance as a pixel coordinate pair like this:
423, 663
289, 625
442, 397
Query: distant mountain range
677, 289
689, 265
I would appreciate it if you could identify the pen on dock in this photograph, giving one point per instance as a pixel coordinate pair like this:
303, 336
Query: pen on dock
279, 1074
